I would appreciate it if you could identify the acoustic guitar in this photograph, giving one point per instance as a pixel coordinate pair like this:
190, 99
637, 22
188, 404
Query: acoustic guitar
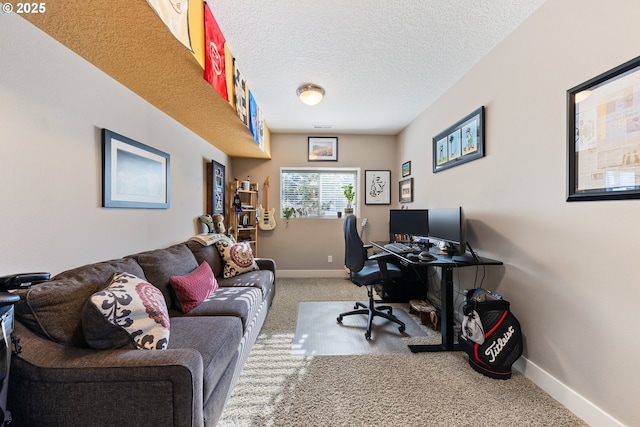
266, 217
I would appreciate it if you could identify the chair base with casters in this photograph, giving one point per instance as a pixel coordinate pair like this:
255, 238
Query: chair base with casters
372, 311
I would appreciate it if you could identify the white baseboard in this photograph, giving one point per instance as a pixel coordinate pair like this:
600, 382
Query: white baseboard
568, 397
304, 274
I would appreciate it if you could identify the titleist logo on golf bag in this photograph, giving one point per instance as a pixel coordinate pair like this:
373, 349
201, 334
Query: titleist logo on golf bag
498, 345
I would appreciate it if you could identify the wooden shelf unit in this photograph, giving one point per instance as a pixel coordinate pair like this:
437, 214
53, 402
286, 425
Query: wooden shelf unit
243, 226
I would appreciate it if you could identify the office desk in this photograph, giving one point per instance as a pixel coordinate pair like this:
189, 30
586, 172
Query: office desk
446, 264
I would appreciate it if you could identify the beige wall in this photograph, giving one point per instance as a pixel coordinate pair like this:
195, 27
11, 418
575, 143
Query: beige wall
301, 247
570, 272
569, 268
53, 105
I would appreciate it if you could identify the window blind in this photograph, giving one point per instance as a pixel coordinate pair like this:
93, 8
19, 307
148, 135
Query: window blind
316, 192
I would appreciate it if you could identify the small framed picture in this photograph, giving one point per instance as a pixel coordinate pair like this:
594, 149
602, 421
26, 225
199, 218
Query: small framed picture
406, 190
377, 186
323, 149
406, 169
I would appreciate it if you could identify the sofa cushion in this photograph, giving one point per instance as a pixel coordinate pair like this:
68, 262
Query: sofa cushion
101, 273
233, 301
194, 287
53, 309
160, 264
261, 279
209, 254
238, 258
129, 313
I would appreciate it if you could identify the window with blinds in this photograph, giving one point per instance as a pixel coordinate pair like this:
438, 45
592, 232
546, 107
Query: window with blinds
316, 192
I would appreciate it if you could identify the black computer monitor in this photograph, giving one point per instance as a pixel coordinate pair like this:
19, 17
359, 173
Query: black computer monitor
409, 222
448, 225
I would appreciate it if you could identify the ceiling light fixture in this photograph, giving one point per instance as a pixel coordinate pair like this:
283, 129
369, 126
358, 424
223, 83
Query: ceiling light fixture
310, 94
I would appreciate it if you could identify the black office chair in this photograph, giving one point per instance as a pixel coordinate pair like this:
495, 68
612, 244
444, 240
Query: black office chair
367, 271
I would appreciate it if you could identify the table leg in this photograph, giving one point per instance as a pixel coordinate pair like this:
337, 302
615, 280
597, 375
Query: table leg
446, 317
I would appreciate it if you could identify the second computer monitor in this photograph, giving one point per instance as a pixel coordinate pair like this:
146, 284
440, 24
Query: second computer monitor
411, 222
448, 225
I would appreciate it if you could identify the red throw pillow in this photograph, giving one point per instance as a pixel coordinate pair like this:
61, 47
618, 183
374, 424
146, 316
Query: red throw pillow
195, 287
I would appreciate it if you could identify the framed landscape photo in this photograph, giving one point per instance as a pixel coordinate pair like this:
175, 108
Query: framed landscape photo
323, 149
406, 190
406, 169
377, 186
460, 143
134, 175
603, 136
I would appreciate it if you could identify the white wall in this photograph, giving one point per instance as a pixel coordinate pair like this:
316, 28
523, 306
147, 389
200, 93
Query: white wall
53, 105
570, 269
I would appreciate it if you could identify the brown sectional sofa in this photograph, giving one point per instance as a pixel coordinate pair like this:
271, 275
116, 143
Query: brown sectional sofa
58, 380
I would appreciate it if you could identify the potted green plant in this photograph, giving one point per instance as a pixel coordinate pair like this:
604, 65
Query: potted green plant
288, 212
349, 194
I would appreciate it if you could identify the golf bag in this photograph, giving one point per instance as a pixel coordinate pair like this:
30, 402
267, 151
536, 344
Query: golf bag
490, 334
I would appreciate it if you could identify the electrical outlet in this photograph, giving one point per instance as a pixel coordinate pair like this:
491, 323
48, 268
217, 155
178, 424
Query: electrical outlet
330, 258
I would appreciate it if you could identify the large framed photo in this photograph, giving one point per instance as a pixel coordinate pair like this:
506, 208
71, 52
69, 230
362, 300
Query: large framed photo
460, 143
323, 149
134, 175
603, 134
377, 186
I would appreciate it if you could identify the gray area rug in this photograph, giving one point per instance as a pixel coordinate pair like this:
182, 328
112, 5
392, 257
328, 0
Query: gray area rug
319, 334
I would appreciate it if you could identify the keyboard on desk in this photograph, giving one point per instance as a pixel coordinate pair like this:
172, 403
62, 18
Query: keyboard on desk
399, 248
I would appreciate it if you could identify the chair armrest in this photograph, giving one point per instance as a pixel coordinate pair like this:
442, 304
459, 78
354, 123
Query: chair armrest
381, 256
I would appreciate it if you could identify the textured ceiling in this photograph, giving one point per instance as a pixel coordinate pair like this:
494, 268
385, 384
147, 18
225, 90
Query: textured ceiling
381, 62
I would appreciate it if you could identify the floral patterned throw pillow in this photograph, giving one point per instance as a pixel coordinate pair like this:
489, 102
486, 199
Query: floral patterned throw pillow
129, 313
238, 258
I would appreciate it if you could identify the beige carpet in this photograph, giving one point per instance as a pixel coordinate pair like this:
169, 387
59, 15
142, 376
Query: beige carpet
431, 389
319, 334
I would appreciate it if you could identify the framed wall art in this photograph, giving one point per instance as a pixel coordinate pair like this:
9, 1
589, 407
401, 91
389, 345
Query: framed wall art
459, 143
323, 149
406, 190
217, 196
377, 186
134, 175
604, 136
406, 169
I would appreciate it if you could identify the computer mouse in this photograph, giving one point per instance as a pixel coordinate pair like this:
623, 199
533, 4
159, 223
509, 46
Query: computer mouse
426, 255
